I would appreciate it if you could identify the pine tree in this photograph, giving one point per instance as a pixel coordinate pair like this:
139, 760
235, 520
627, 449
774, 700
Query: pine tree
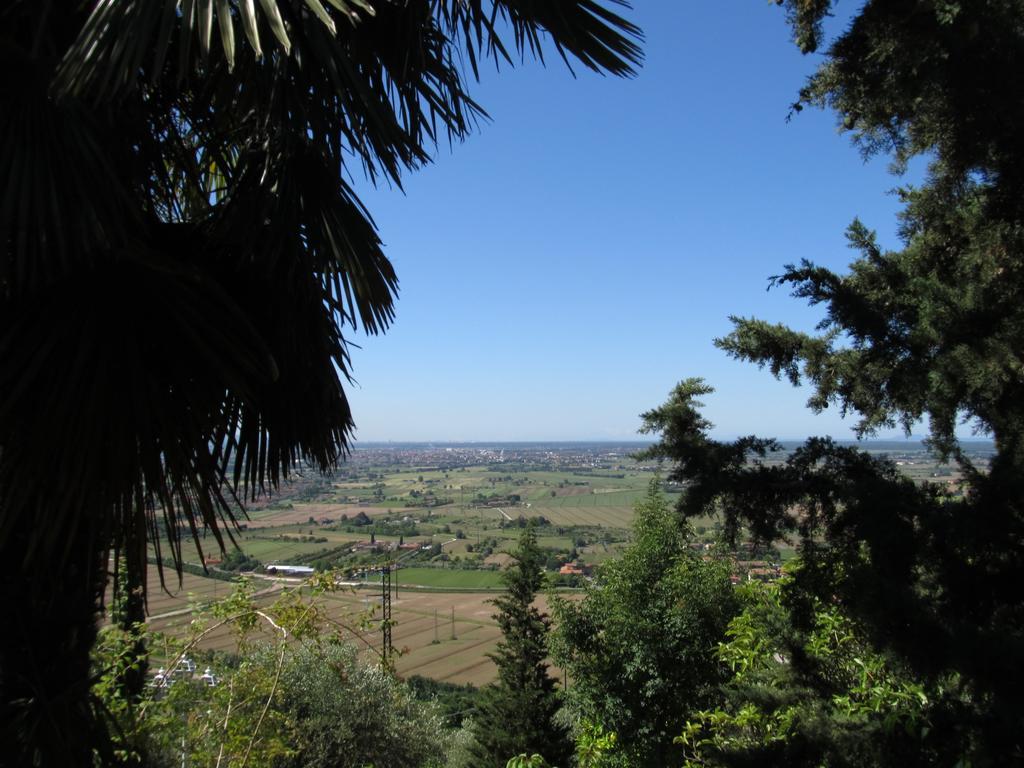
516, 714
930, 332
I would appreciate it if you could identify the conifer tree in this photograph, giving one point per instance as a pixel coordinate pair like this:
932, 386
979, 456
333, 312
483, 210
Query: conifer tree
516, 715
930, 332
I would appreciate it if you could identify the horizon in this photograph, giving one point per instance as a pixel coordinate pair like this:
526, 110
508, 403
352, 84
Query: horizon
912, 440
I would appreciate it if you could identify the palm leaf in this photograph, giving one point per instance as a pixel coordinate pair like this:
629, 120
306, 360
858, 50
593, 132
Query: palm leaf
190, 319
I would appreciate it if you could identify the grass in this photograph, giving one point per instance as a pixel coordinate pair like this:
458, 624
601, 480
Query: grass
608, 516
268, 551
450, 578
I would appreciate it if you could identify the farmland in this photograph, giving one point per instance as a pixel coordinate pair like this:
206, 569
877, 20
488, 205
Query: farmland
421, 617
446, 518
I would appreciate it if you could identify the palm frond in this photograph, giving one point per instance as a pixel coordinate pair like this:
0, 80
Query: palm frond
52, 159
182, 254
114, 380
601, 40
124, 37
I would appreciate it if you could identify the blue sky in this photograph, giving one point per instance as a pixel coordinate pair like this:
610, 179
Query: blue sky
563, 268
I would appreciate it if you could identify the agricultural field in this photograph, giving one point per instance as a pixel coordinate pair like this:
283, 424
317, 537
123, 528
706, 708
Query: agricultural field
174, 597
604, 515
448, 516
448, 578
459, 654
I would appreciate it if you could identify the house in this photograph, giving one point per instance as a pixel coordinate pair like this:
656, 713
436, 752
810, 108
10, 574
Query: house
573, 569
277, 569
763, 574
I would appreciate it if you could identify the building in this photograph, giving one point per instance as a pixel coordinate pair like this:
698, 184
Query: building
573, 569
278, 569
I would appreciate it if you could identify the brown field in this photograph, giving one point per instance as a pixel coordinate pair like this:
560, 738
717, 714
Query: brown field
300, 514
192, 589
460, 660
177, 597
572, 490
169, 610
500, 559
219, 638
607, 516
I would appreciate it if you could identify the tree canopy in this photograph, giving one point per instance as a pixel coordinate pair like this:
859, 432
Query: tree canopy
639, 647
516, 714
930, 331
821, 696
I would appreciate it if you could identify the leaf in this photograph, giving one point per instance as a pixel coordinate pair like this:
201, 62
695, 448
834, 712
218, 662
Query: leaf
205, 25
366, 7
321, 13
227, 31
276, 23
248, 9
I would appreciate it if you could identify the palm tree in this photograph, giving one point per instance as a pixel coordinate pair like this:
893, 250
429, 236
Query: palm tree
181, 258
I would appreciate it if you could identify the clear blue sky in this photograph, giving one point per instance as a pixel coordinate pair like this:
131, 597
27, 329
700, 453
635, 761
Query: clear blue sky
563, 268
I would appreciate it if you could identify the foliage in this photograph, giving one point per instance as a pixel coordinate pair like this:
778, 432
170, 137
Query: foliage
594, 749
237, 560
302, 700
821, 697
516, 714
182, 262
528, 761
932, 331
639, 648
116, 658
127, 614
349, 715
454, 702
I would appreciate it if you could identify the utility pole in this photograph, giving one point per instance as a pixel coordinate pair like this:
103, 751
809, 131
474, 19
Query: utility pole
453, 622
385, 610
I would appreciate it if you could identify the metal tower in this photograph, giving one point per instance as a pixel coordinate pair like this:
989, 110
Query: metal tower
385, 610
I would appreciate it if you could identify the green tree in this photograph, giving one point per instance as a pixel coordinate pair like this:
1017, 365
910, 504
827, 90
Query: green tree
932, 332
293, 695
347, 714
181, 260
639, 648
516, 714
808, 698
127, 614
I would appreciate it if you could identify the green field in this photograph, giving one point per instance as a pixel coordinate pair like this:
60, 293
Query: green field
449, 578
611, 497
589, 515
607, 516
271, 551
